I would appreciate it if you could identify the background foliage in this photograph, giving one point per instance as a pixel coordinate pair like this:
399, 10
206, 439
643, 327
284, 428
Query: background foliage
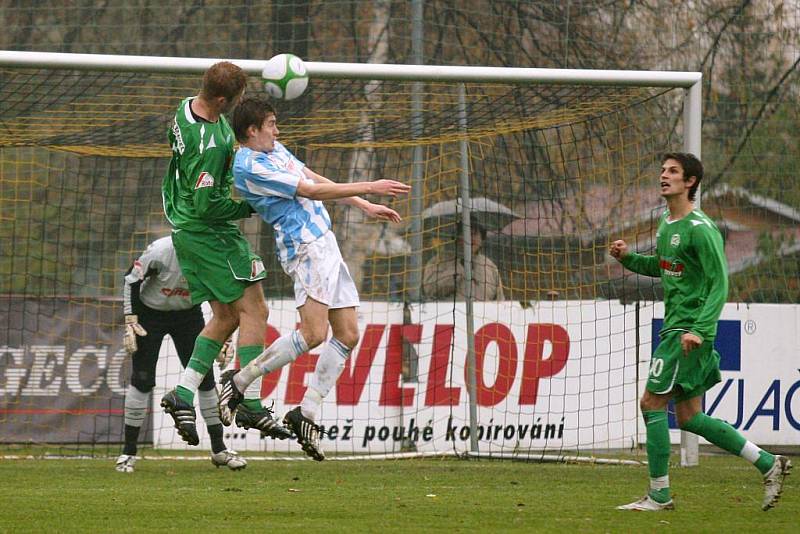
747, 50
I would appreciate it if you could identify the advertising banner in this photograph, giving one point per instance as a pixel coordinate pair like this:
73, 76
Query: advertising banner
552, 376
561, 375
63, 371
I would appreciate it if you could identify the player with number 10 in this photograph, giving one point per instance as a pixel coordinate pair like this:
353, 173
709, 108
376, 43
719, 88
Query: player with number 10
691, 263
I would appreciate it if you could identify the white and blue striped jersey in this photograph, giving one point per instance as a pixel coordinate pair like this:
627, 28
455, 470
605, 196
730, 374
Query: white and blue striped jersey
268, 181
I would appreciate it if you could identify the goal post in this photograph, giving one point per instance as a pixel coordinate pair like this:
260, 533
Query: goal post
561, 147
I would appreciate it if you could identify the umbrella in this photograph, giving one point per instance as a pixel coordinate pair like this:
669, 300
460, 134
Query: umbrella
490, 215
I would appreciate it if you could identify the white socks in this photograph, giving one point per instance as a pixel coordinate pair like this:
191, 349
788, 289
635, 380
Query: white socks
191, 379
135, 406
282, 351
329, 366
208, 406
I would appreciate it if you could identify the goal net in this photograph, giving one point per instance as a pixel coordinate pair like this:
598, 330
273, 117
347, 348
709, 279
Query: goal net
545, 171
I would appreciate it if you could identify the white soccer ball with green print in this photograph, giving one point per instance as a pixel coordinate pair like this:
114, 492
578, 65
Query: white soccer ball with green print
285, 77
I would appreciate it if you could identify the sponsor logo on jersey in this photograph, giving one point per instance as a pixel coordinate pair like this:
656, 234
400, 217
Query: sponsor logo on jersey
256, 268
204, 180
175, 292
671, 267
675, 240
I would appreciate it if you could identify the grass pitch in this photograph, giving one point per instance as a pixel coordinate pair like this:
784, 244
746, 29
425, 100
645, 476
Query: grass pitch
723, 494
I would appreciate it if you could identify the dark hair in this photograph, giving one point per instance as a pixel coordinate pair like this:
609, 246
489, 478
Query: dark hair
251, 111
691, 167
223, 79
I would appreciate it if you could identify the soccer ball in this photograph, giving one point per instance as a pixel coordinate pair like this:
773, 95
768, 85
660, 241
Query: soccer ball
285, 77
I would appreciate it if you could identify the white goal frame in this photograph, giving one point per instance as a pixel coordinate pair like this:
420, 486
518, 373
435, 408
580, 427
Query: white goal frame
689, 81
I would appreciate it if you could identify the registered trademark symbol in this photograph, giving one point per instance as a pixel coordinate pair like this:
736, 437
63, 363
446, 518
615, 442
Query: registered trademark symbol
750, 326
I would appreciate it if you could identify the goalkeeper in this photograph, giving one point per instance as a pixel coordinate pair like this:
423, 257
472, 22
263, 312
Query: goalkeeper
691, 264
156, 303
288, 196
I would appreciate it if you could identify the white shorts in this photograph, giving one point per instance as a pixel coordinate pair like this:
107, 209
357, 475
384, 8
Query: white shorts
319, 272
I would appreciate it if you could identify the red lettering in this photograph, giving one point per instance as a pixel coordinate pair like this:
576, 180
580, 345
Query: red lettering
176, 291
438, 394
391, 392
506, 364
535, 365
354, 376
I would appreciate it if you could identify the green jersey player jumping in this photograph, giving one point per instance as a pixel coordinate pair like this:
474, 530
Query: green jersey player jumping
691, 263
214, 256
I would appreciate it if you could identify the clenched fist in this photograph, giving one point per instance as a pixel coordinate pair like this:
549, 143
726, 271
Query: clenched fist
618, 249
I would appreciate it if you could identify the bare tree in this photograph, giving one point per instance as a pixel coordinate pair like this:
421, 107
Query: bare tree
358, 236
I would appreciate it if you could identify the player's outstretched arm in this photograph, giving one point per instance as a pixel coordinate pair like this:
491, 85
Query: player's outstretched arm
378, 187
380, 212
333, 191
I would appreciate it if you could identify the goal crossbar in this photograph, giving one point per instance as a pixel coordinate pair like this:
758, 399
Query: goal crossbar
364, 71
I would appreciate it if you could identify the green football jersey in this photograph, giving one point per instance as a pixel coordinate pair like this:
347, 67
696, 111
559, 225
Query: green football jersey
694, 273
197, 188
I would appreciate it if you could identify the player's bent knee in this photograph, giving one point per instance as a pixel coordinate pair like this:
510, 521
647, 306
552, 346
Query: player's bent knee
144, 382
349, 338
313, 338
651, 402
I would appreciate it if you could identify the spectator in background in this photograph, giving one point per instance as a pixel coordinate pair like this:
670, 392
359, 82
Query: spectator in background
156, 302
443, 276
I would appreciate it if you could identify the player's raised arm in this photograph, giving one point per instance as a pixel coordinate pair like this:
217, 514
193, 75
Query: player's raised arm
333, 191
375, 211
638, 263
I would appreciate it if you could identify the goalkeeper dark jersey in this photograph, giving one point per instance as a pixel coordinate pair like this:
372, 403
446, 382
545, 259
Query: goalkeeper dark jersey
694, 273
197, 188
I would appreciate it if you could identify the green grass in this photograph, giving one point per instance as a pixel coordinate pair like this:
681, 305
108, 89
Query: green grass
723, 494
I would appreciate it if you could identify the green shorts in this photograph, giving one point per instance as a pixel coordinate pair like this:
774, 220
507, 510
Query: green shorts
686, 376
217, 265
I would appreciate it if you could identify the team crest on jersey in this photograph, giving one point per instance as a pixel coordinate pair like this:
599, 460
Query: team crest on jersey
256, 268
204, 180
675, 240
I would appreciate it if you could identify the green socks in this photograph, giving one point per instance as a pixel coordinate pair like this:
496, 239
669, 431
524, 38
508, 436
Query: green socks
246, 355
658, 449
716, 431
724, 436
203, 356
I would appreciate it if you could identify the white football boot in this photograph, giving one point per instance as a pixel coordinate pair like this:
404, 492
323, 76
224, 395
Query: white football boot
773, 481
125, 463
646, 504
228, 458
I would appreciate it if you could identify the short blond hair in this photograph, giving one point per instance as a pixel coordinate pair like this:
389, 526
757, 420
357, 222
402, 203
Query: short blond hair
223, 79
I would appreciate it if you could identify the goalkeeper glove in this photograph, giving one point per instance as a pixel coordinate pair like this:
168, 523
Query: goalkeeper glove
132, 329
226, 354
